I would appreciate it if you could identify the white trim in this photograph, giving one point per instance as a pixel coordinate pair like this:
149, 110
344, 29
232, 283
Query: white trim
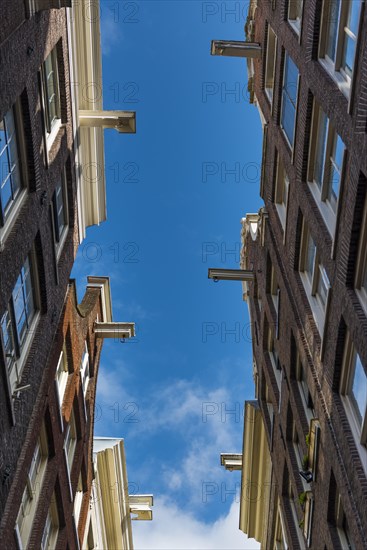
11, 218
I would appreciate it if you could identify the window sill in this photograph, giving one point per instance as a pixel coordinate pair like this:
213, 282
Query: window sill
13, 214
343, 84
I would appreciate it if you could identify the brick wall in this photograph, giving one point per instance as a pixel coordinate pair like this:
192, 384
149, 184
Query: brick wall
338, 456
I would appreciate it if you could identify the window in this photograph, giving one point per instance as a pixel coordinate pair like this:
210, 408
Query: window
78, 499
361, 271
314, 278
274, 289
280, 541
273, 354
270, 63
62, 374
325, 167
60, 213
289, 98
354, 389
19, 320
51, 529
12, 178
341, 524
293, 504
338, 39
32, 491
304, 389
51, 94
295, 14
84, 370
281, 192
70, 441
297, 446
308, 517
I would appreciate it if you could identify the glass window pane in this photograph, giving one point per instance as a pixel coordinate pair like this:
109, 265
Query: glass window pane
288, 114
353, 15
359, 389
348, 54
322, 287
320, 148
9, 163
289, 97
310, 257
332, 22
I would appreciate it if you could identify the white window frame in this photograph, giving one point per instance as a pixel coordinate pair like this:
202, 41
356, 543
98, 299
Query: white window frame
60, 236
70, 441
280, 540
310, 284
51, 528
8, 217
62, 375
78, 500
284, 91
320, 190
274, 358
304, 389
359, 429
53, 126
271, 54
295, 15
33, 488
334, 66
85, 370
17, 354
281, 193
361, 270
340, 521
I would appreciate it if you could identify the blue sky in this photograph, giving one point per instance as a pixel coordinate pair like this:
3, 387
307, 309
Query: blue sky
173, 211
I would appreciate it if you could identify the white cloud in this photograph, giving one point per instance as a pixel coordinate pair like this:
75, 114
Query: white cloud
173, 528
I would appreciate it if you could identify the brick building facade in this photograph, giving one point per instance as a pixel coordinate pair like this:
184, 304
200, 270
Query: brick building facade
49, 498
306, 265
52, 187
38, 229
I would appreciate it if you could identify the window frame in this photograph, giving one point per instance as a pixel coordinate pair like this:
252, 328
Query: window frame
360, 282
294, 21
60, 237
320, 190
359, 428
271, 54
281, 191
54, 526
21, 347
72, 436
51, 127
311, 286
33, 488
304, 390
341, 522
333, 66
8, 217
290, 143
